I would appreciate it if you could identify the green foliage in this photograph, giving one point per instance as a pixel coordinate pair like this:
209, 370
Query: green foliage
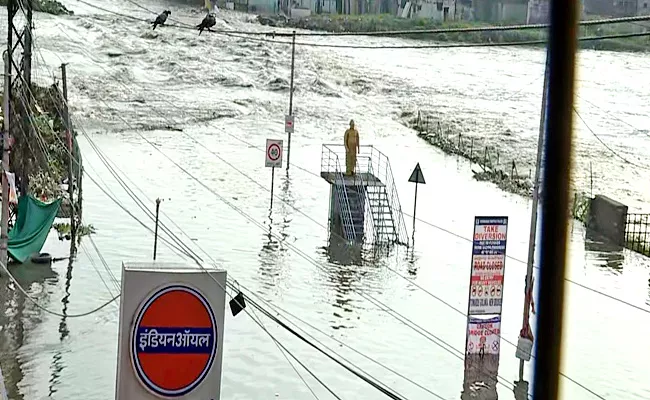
580, 207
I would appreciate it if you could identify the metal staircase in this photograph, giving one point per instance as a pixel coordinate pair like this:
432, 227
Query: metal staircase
372, 199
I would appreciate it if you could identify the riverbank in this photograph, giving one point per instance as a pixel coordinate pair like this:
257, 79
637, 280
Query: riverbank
486, 161
384, 22
46, 6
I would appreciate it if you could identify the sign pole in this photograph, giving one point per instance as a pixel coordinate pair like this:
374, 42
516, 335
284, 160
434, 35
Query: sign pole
272, 184
293, 60
415, 207
416, 177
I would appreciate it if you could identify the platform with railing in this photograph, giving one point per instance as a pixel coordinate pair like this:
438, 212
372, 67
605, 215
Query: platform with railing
366, 202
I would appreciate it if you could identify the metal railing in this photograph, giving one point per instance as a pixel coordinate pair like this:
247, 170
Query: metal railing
637, 233
370, 161
334, 166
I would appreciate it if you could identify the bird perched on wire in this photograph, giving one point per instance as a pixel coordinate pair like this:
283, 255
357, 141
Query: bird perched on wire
208, 22
161, 18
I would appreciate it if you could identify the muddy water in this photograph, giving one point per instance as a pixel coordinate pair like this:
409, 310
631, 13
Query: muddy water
230, 94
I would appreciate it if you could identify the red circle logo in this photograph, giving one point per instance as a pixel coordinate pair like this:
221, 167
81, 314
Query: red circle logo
173, 341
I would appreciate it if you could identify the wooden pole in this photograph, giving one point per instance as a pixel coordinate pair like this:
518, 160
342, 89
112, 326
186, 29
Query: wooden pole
70, 140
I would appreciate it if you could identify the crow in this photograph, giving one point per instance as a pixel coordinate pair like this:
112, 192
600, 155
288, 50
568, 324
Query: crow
160, 19
208, 22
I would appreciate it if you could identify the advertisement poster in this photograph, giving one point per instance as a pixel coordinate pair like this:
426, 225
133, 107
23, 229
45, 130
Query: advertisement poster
488, 265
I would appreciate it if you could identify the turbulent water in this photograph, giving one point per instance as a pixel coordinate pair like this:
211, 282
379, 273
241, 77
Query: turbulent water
128, 84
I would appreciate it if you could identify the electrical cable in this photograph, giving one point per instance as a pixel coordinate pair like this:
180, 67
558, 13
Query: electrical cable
605, 144
37, 304
479, 29
292, 354
511, 343
239, 34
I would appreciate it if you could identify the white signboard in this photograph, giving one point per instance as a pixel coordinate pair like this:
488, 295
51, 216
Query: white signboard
488, 265
273, 153
483, 336
288, 123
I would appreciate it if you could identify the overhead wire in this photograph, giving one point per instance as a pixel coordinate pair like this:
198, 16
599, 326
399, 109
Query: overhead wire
605, 145
302, 254
403, 32
284, 348
245, 35
511, 343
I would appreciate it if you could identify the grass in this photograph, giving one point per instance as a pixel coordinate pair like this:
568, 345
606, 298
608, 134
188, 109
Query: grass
385, 22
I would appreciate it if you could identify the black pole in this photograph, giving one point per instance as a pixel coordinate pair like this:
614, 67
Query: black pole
155, 235
554, 216
272, 184
415, 206
293, 60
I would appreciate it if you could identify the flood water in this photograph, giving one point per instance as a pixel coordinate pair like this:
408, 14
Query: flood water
128, 83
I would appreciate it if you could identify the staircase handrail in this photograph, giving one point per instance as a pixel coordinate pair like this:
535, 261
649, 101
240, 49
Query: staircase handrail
343, 202
382, 163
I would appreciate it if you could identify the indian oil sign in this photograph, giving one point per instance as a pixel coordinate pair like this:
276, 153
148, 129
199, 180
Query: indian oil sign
173, 341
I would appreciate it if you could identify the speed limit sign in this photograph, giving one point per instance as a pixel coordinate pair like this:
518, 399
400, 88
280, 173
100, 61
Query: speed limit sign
273, 153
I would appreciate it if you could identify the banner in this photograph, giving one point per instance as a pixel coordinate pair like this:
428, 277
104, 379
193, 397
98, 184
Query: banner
488, 265
484, 336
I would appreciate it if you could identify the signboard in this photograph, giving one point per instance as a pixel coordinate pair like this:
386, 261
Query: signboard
288, 123
483, 336
173, 341
273, 153
488, 265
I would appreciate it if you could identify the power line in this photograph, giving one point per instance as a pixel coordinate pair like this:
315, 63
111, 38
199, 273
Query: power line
244, 35
605, 144
478, 29
45, 309
251, 178
389, 392
406, 214
439, 46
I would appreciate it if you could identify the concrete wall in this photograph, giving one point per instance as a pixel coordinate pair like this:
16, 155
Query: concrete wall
643, 7
608, 217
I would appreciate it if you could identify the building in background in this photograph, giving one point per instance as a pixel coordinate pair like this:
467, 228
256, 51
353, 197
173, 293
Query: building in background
498, 11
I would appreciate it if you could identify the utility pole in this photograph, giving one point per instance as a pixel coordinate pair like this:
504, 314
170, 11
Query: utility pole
293, 60
70, 143
27, 54
4, 220
533, 215
155, 235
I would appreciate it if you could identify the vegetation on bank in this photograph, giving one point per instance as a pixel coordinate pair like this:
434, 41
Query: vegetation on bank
385, 22
46, 6
39, 156
504, 174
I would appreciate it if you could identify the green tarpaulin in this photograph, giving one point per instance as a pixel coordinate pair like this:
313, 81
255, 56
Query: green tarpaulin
33, 224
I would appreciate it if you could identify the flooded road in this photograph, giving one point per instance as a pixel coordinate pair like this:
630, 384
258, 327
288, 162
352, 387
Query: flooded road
230, 95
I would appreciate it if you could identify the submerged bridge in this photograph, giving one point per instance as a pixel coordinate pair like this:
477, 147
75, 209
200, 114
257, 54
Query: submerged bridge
364, 207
